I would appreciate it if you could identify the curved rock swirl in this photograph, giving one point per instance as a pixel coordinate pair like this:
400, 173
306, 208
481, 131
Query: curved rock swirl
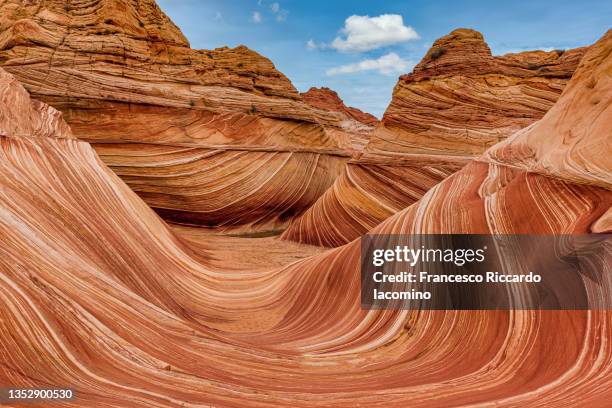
99, 294
458, 101
127, 81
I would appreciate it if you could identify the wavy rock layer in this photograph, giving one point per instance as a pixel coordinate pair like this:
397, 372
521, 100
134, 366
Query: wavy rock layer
461, 100
100, 295
458, 101
123, 73
366, 194
21, 116
223, 187
582, 119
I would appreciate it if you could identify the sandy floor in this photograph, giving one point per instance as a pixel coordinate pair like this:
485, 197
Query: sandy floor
226, 252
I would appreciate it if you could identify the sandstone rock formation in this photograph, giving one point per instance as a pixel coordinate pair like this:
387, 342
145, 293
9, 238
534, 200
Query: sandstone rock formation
458, 101
23, 117
362, 123
327, 99
99, 294
204, 136
575, 140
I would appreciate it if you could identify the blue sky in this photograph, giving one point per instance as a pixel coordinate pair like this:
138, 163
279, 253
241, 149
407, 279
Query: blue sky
318, 43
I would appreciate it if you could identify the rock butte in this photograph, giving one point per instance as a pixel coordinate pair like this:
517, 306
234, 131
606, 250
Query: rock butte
212, 137
458, 101
327, 99
100, 294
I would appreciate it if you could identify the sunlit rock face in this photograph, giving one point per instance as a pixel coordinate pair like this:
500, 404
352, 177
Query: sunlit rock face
327, 99
99, 294
22, 117
458, 101
361, 124
210, 137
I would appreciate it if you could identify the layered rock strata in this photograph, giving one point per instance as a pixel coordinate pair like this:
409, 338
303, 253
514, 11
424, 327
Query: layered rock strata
327, 99
99, 294
361, 122
178, 125
458, 101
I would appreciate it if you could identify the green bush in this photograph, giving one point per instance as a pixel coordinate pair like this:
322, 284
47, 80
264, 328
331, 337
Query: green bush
437, 53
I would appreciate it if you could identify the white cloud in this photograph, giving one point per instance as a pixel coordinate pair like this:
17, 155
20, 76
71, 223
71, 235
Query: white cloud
365, 33
218, 16
388, 64
281, 14
311, 45
256, 18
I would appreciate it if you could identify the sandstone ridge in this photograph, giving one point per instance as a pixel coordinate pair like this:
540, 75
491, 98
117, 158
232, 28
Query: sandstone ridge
327, 99
100, 294
458, 102
218, 138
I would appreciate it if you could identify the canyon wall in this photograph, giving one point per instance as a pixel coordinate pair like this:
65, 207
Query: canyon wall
99, 294
209, 137
458, 101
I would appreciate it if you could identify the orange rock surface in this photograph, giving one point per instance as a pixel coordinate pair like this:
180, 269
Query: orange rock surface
458, 101
23, 117
327, 99
361, 123
212, 137
100, 295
